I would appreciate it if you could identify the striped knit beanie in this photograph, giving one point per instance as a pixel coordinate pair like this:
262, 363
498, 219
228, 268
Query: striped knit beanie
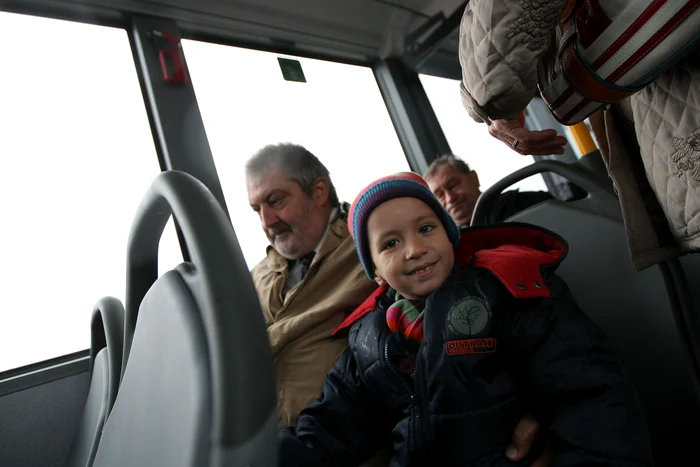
400, 185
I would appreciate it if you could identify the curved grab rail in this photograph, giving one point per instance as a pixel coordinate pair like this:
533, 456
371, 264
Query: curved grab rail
107, 330
599, 194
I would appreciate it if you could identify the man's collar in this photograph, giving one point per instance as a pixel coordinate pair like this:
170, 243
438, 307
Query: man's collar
331, 218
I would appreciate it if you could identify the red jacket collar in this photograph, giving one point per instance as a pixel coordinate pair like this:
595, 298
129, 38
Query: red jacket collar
515, 253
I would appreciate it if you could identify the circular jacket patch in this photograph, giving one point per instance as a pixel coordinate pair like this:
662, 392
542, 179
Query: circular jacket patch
469, 316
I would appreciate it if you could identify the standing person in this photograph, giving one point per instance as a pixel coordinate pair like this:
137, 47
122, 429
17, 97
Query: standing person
650, 141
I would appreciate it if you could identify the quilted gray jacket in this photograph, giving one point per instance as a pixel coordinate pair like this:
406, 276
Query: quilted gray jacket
651, 141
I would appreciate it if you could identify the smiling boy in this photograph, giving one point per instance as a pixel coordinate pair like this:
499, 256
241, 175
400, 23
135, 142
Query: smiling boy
463, 334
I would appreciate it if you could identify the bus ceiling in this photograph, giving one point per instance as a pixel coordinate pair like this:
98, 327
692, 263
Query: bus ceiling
423, 33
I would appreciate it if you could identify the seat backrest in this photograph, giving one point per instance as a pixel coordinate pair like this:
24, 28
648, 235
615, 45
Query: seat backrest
639, 311
198, 384
689, 284
691, 266
594, 162
107, 343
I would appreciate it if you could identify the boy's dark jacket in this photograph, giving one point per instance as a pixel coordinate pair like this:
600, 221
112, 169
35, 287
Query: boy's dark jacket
501, 321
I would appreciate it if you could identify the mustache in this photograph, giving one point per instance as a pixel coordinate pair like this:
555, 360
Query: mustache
278, 229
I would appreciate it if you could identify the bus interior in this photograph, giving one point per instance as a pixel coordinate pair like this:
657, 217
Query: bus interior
124, 128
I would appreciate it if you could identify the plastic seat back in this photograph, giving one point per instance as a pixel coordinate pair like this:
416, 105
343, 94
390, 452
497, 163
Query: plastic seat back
198, 384
639, 311
107, 345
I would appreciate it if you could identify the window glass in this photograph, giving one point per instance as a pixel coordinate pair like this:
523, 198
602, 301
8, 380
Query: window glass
77, 156
471, 141
338, 114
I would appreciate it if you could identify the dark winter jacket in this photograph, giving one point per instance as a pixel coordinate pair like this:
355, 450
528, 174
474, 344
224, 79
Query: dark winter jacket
502, 335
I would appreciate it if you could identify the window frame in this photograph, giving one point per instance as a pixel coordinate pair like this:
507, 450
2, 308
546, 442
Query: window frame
46, 371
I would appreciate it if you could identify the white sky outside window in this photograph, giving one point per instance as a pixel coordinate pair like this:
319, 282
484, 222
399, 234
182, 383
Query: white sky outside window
471, 141
338, 114
77, 156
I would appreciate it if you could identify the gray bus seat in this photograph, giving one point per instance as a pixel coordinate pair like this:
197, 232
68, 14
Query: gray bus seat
687, 278
691, 267
641, 312
107, 343
197, 385
594, 162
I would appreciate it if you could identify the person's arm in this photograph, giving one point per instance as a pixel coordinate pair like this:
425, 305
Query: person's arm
500, 44
344, 427
582, 392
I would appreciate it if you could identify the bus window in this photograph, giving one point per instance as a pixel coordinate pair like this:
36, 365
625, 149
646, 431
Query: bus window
338, 114
471, 141
77, 156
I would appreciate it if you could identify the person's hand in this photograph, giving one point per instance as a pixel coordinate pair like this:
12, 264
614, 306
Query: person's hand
524, 141
524, 436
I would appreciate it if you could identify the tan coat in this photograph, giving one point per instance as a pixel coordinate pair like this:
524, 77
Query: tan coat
300, 326
649, 237
651, 145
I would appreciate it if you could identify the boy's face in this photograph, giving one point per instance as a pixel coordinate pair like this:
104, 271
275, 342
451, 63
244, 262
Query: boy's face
409, 246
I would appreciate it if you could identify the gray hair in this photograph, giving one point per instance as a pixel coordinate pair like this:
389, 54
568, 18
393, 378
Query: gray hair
448, 159
296, 162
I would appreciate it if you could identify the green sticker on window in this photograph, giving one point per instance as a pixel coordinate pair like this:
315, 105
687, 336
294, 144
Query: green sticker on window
291, 70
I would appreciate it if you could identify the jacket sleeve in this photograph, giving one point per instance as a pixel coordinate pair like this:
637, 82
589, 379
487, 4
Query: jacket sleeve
581, 389
500, 42
344, 427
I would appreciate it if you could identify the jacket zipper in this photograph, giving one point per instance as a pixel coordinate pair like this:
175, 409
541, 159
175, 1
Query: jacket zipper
415, 409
